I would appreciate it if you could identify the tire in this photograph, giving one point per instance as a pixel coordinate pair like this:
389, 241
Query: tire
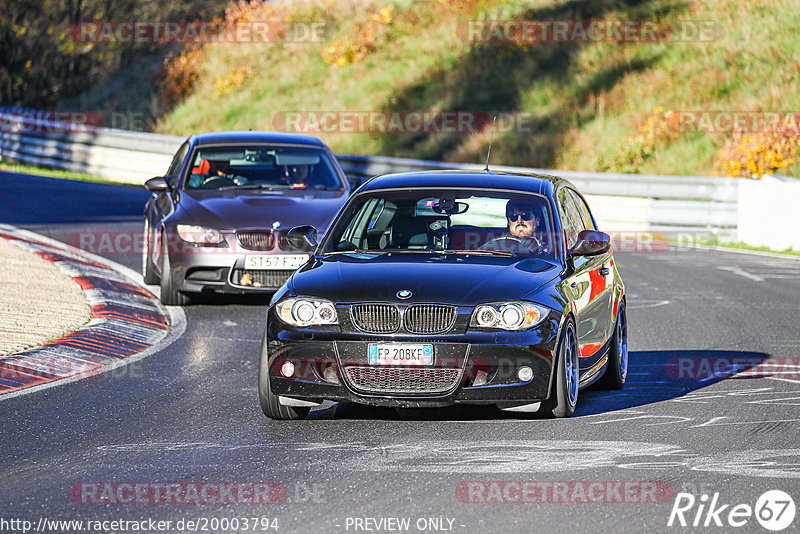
270, 405
148, 273
617, 367
564, 391
169, 295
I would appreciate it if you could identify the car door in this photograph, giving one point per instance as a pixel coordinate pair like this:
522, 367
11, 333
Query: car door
161, 205
587, 283
604, 274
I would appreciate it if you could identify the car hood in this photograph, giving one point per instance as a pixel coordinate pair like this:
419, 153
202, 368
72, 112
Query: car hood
443, 278
228, 211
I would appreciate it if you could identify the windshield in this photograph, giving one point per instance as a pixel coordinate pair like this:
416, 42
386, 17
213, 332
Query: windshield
271, 167
442, 220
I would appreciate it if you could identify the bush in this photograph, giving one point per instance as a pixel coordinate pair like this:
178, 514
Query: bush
179, 73
752, 156
355, 48
657, 131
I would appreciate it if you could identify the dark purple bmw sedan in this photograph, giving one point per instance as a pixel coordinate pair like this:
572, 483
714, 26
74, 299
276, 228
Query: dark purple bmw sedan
217, 220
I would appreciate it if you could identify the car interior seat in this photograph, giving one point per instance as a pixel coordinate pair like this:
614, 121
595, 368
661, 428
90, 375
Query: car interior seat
410, 233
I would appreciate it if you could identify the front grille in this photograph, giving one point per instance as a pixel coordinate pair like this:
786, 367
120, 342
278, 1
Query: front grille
376, 318
430, 318
256, 239
266, 279
402, 379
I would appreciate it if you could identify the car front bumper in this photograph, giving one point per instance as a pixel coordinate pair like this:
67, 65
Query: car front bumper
214, 269
475, 367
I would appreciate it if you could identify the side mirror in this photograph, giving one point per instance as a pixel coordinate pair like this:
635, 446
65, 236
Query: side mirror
590, 243
157, 184
302, 238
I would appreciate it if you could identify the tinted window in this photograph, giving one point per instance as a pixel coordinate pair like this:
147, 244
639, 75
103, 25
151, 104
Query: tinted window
175, 166
571, 221
583, 210
445, 220
232, 166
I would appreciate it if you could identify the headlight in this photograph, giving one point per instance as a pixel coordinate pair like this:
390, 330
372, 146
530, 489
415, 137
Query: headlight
307, 312
508, 315
199, 234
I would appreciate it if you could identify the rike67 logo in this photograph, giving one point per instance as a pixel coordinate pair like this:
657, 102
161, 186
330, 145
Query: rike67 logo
774, 510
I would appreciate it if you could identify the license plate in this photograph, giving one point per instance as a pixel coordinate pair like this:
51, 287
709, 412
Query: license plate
264, 262
400, 354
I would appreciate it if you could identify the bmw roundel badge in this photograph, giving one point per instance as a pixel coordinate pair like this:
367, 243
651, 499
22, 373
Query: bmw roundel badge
404, 294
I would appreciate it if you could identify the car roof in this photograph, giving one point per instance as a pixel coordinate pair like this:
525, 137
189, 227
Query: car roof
542, 184
255, 137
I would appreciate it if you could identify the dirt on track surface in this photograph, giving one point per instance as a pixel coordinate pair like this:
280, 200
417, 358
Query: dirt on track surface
38, 302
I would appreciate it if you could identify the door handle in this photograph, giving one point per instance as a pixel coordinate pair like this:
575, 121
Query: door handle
603, 271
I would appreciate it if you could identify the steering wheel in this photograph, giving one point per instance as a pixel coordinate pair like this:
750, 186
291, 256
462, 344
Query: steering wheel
509, 243
213, 182
505, 243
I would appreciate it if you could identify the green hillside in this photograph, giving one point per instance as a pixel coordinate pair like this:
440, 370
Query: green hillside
576, 103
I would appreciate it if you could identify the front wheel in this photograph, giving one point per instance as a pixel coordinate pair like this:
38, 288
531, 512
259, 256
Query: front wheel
564, 393
270, 404
617, 367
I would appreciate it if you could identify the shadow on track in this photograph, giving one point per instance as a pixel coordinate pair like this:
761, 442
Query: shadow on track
654, 376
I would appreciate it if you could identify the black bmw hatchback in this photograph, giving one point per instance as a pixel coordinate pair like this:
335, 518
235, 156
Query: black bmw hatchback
445, 287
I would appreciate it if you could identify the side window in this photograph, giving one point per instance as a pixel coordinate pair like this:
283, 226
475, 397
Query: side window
375, 214
571, 221
583, 209
354, 235
175, 166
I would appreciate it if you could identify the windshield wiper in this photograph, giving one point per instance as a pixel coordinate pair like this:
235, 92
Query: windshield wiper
504, 253
246, 186
355, 251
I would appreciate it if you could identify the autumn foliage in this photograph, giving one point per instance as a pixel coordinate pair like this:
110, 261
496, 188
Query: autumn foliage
753, 155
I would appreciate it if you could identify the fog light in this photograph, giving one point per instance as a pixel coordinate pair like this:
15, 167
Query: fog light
330, 374
481, 378
525, 374
287, 369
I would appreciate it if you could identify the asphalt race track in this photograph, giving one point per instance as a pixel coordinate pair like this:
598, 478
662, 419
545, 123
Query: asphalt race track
190, 413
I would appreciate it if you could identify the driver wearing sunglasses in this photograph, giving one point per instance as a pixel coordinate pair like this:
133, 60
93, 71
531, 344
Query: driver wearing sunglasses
522, 221
523, 224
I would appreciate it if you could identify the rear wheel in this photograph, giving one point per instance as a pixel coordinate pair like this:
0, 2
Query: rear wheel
169, 295
617, 367
148, 273
270, 404
564, 393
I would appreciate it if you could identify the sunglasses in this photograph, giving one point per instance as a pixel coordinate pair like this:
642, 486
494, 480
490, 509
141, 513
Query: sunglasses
526, 215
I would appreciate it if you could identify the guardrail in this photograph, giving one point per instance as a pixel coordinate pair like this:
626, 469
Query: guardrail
121, 155
699, 206
631, 202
